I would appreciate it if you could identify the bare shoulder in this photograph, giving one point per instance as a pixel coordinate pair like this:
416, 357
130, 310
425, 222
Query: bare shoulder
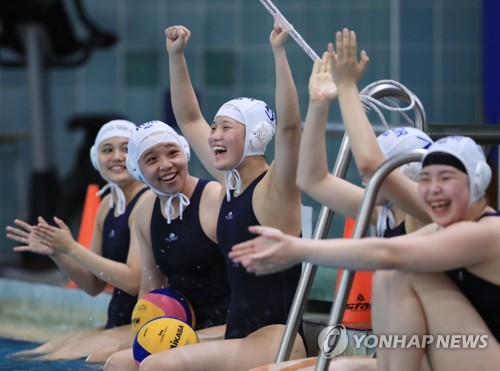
211, 194
143, 209
209, 209
145, 202
103, 209
212, 187
147, 196
491, 225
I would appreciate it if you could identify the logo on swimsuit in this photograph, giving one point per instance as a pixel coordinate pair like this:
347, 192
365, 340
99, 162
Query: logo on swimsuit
171, 237
229, 216
111, 234
332, 340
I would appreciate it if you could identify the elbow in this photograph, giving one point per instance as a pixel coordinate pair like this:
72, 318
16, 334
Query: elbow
303, 183
366, 167
388, 259
94, 291
133, 285
134, 289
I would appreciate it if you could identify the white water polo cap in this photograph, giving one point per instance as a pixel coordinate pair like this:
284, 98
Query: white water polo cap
399, 140
111, 129
146, 136
465, 155
260, 125
393, 142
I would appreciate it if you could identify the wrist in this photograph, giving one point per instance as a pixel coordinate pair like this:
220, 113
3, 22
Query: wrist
347, 88
72, 248
319, 103
278, 49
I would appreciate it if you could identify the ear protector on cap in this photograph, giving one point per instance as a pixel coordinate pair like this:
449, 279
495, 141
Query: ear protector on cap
471, 156
133, 168
481, 179
259, 121
398, 140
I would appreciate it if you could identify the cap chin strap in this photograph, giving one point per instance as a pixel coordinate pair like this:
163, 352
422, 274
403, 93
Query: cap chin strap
233, 182
169, 205
386, 219
116, 194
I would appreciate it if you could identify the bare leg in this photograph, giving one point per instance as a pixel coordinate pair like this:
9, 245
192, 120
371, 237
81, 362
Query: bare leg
56, 343
336, 364
211, 333
121, 361
256, 349
428, 304
84, 346
396, 311
103, 354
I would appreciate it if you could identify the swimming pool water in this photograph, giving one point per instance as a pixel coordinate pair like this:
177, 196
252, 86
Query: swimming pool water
9, 346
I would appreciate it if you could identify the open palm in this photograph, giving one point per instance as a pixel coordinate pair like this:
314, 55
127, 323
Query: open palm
321, 84
23, 234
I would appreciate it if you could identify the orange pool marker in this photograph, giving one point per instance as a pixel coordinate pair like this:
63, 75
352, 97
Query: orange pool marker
357, 314
90, 207
89, 214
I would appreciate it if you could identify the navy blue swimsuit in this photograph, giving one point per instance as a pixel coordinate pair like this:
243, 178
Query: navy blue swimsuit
191, 261
115, 246
256, 301
483, 295
398, 230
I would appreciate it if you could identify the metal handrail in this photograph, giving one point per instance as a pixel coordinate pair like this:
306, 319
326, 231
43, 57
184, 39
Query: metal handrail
360, 229
309, 269
326, 216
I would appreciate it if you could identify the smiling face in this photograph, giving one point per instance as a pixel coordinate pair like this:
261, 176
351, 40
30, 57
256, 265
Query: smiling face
444, 191
227, 140
164, 167
112, 153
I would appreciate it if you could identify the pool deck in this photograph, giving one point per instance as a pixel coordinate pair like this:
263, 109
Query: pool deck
35, 305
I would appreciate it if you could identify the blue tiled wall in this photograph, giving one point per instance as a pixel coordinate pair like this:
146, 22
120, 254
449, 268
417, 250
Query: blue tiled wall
439, 60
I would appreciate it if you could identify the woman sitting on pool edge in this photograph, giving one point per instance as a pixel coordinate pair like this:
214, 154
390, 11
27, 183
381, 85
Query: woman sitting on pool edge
110, 258
426, 281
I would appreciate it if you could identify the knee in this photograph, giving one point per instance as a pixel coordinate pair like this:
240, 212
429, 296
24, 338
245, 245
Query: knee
383, 279
388, 281
120, 361
148, 364
162, 361
112, 364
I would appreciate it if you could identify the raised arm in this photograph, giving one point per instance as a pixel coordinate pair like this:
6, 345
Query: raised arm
313, 176
283, 169
346, 71
184, 102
